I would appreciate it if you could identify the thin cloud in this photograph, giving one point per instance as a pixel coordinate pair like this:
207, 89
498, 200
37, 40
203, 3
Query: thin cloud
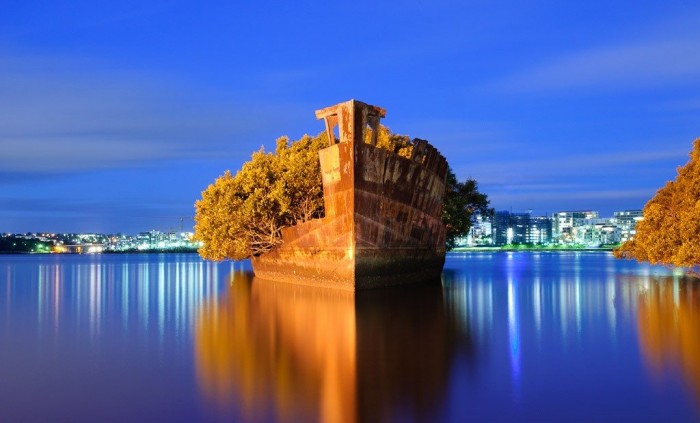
540, 195
519, 170
690, 105
66, 215
653, 62
57, 155
65, 115
60, 207
588, 198
459, 137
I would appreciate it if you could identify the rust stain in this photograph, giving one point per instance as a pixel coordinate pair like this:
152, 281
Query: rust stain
382, 223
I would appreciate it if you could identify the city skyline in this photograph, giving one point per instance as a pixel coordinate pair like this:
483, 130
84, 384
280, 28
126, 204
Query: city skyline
120, 115
568, 229
475, 223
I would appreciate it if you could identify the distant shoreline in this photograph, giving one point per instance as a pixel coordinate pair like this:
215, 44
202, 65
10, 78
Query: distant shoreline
456, 250
530, 249
131, 251
159, 251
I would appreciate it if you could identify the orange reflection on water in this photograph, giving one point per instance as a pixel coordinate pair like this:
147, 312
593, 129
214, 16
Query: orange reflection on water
270, 351
279, 348
669, 328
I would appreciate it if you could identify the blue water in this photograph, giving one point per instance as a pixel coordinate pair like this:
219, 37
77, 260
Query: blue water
502, 337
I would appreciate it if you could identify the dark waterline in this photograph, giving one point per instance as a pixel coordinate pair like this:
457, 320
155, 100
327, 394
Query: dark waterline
571, 336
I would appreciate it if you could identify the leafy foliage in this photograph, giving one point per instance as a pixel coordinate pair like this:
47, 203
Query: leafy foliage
670, 231
399, 144
242, 215
462, 201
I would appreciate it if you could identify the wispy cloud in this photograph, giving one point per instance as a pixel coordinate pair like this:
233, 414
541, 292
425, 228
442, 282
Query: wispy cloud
62, 154
459, 137
69, 115
660, 60
502, 170
600, 180
576, 194
576, 198
689, 105
77, 215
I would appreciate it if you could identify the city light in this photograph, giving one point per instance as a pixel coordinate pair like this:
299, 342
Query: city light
94, 243
578, 229
566, 228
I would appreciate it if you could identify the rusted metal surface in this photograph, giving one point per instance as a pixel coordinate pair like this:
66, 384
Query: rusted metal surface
351, 118
382, 223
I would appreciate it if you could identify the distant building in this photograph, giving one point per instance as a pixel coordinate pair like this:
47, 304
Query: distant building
540, 230
597, 232
627, 221
481, 231
521, 228
501, 226
563, 224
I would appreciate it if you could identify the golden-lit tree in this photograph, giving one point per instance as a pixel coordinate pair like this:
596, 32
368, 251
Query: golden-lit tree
241, 215
668, 321
670, 231
399, 144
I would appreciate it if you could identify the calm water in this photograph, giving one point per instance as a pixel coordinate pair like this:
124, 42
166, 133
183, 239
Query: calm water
503, 337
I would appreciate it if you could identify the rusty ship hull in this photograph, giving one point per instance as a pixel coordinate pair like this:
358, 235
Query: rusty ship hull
382, 223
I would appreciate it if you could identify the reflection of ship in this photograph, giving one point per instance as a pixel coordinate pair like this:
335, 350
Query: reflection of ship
382, 223
403, 357
669, 324
283, 352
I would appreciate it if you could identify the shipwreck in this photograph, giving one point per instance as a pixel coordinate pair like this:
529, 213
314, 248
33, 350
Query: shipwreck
382, 223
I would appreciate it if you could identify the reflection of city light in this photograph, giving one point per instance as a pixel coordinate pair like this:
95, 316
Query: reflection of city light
571, 300
610, 302
150, 295
537, 304
514, 330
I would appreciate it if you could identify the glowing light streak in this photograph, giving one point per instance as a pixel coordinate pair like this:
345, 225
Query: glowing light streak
161, 301
514, 333
57, 297
610, 302
537, 305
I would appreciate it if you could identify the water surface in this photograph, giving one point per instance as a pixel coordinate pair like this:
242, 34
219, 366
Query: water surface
502, 337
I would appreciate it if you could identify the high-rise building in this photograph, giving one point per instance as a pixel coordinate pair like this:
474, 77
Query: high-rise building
501, 226
521, 228
540, 230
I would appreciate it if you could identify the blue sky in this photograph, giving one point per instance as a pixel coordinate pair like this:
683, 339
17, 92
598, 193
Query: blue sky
114, 116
